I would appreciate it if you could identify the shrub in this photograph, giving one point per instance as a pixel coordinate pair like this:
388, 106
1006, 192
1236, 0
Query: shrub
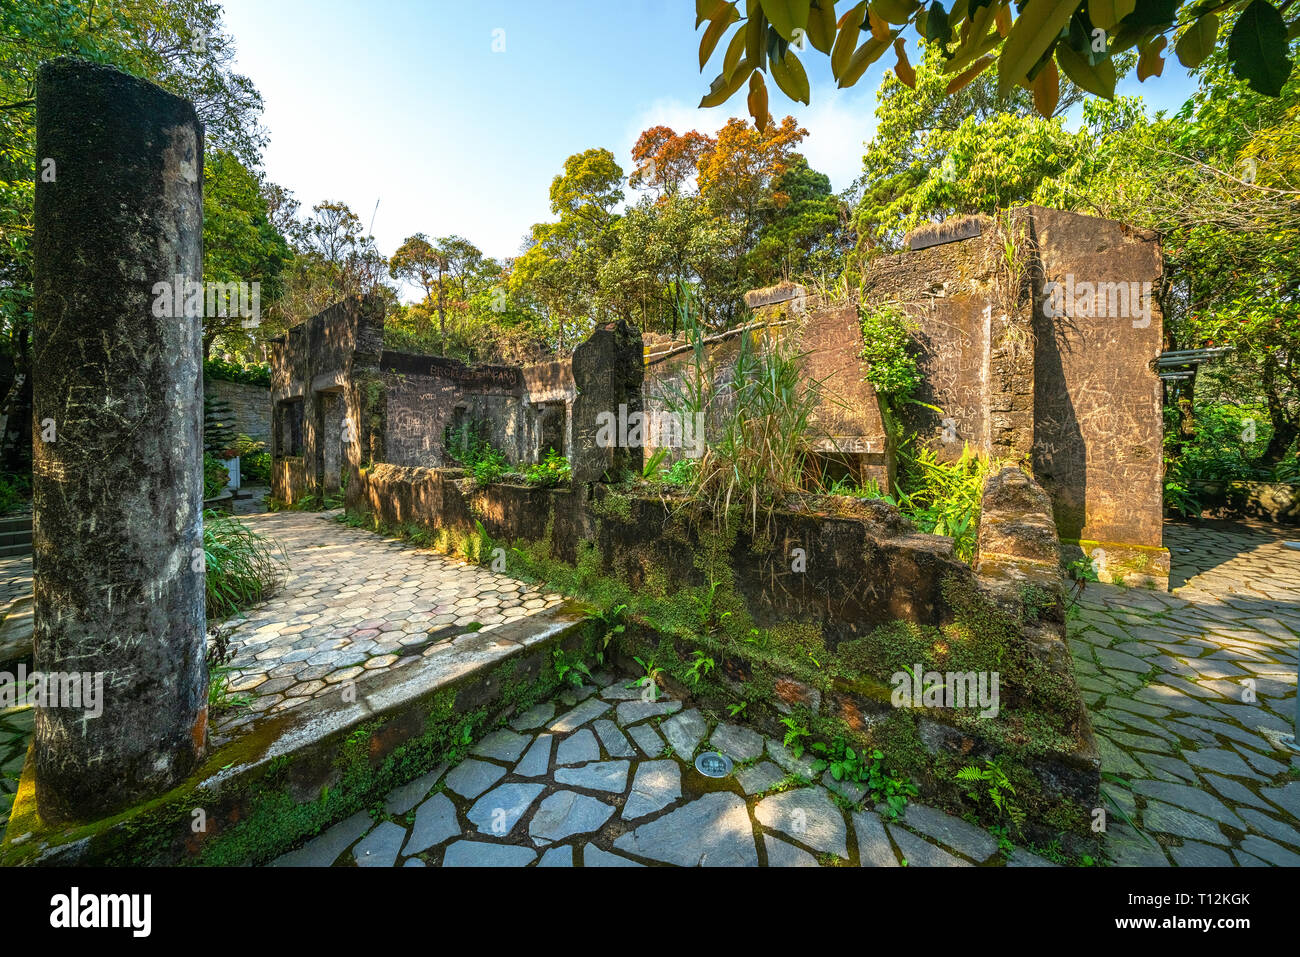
242, 566
469, 447
15, 490
551, 471
943, 498
215, 476
762, 422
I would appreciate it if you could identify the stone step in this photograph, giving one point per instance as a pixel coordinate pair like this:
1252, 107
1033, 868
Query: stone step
15, 551
405, 715
16, 523
23, 537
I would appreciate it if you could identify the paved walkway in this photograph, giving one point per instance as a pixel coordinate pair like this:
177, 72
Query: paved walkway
353, 601
1190, 692
600, 778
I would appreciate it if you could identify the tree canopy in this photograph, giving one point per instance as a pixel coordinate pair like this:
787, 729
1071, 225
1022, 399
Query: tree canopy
1031, 45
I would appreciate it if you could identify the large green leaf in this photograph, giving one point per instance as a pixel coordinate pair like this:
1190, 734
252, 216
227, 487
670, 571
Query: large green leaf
1039, 24
717, 27
1197, 41
1099, 79
790, 77
787, 15
847, 41
1257, 48
1106, 13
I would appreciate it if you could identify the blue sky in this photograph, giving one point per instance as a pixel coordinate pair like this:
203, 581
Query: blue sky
405, 102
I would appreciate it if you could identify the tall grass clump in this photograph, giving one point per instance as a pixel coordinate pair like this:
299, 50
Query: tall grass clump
758, 426
243, 567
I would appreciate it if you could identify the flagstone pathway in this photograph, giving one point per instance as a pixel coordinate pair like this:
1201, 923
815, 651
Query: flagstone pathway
1190, 693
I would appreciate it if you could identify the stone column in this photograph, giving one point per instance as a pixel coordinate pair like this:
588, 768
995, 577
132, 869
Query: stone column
608, 371
117, 482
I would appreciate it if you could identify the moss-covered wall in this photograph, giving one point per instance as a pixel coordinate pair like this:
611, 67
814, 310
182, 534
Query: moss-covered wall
716, 607
265, 807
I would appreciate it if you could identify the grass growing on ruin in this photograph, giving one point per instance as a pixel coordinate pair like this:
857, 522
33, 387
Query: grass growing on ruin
761, 422
242, 567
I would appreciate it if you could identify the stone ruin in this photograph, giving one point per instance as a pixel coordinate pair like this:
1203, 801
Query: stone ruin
1036, 335
1017, 353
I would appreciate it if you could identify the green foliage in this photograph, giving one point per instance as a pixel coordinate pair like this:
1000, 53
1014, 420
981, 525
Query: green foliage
220, 653
701, 665
649, 682
553, 470
230, 371
943, 498
795, 732
681, 474
470, 448
612, 622
1045, 42
570, 668
215, 476
15, 492
865, 767
990, 783
762, 426
242, 567
892, 368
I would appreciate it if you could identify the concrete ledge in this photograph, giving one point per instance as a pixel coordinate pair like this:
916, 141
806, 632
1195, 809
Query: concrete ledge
1137, 566
286, 777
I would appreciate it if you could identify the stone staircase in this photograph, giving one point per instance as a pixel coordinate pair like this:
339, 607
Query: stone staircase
15, 536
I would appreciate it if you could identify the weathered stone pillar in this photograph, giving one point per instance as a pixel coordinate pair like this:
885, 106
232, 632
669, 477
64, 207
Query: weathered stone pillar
608, 370
117, 481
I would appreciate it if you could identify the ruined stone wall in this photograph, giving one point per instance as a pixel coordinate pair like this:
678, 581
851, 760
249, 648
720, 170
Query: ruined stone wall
250, 406
972, 335
329, 364
847, 425
426, 394
1098, 431
1026, 368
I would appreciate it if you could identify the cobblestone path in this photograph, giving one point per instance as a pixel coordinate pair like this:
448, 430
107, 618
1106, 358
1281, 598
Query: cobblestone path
600, 778
1190, 692
354, 601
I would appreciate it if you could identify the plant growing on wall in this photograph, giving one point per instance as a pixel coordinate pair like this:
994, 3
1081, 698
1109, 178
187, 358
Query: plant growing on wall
759, 424
892, 368
553, 470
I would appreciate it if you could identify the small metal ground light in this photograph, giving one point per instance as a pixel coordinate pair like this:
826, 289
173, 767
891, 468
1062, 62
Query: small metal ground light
712, 764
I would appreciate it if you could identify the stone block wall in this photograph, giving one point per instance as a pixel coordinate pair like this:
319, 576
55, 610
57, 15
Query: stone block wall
250, 406
1037, 333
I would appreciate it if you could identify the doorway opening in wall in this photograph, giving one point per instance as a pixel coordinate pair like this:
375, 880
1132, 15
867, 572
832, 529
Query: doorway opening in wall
551, 421
289, 440
333, 428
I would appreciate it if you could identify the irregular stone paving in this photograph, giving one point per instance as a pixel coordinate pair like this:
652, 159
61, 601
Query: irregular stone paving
1189, 692
566, 786
15, 734
353, 601
15, 579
